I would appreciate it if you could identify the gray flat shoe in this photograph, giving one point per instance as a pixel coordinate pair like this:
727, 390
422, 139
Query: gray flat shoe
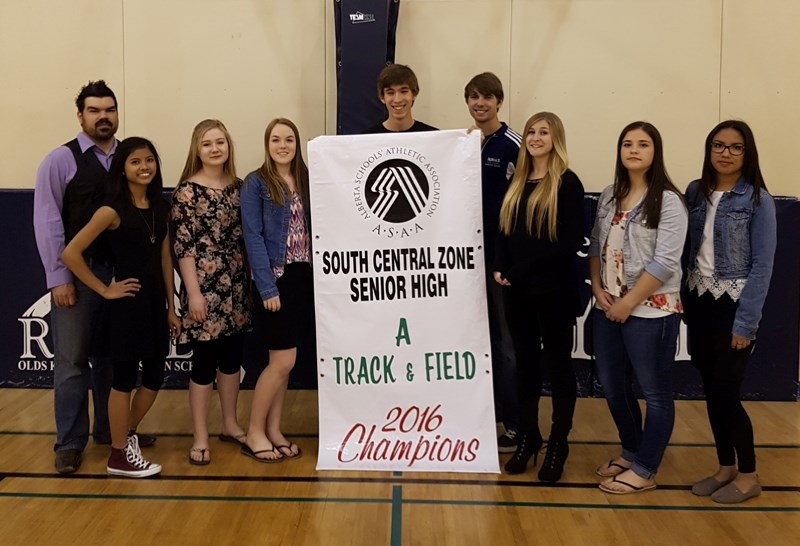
706, 487
730, 494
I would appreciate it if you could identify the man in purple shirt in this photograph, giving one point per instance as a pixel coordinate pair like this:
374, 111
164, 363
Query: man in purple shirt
70, 187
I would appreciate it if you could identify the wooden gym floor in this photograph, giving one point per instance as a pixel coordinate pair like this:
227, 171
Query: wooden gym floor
235, 500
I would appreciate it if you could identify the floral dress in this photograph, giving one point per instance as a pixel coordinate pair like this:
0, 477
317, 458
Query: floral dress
208, 228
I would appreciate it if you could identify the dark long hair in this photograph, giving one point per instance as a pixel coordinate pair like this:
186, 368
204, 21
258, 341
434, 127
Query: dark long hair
119, 194
751, 172
656, 176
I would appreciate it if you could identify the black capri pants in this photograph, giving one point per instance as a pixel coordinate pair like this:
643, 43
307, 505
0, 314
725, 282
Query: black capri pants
127, 371
224, 353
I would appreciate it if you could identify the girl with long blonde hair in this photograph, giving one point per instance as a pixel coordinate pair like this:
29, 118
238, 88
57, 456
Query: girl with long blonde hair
541, 230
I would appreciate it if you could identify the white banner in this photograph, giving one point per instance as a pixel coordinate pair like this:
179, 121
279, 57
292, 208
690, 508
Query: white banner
402, 336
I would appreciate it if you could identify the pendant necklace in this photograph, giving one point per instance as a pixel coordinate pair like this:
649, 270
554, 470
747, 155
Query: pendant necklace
151, 230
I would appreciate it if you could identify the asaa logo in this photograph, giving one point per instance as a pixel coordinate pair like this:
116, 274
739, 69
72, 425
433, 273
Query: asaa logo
397, 191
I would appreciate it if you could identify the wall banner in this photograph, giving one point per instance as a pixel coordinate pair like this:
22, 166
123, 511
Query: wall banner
402, 338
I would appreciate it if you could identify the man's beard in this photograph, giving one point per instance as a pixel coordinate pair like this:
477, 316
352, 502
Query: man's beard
104, 131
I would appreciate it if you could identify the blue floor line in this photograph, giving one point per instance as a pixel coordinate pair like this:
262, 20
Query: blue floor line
397, 512
397, 503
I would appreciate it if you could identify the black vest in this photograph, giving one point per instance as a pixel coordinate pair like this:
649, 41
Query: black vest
85, 194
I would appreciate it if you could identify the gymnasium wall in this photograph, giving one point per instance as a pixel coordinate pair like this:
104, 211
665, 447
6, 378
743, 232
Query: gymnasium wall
683, 64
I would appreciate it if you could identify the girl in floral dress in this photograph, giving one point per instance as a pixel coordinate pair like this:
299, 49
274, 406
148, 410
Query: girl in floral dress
635, 268
210, 252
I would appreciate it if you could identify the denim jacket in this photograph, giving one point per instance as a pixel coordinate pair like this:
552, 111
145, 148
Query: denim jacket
657, 251
266, 226
745, 237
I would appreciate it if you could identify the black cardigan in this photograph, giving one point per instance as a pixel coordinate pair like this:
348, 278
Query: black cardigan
540, 265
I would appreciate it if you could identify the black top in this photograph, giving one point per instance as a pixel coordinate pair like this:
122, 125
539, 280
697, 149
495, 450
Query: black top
135, 328
540, 265
418, 127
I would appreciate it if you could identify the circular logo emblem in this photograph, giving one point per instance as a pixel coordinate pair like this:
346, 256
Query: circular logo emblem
397, 191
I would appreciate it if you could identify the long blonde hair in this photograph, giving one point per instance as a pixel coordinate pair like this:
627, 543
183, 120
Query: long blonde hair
193, 163
542, 205
276, 186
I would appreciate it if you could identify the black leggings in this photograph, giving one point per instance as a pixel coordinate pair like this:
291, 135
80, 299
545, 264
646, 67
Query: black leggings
710, 323
126, 372
224, 353
541, 328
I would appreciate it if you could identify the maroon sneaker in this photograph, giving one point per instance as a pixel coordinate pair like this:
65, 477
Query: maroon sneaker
128, 462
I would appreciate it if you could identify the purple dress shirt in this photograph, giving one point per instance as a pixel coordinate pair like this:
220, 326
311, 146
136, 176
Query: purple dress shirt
55, 172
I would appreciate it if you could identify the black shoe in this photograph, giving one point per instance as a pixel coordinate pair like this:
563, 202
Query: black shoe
527, 447
145, 440
68, 460
507, 442
554, 459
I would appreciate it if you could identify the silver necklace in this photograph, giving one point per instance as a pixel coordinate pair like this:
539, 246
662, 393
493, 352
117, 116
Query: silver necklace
151, 230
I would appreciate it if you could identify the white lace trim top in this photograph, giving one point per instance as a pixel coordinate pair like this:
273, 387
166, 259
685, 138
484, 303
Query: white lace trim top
715, 285
702, 278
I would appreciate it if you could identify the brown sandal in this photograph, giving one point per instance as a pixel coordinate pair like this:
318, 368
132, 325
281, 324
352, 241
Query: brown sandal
202, 461
290, 453
238, 439
619, 469
248, 451
630, 487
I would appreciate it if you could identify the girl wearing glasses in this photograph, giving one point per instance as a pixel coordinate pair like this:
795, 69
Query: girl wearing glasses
732, 237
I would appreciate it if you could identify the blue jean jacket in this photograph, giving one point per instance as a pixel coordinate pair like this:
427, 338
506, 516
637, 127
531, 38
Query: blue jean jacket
745, 236
657, 251
266, 226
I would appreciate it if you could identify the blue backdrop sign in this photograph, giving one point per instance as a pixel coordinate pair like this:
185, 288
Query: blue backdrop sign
26, 357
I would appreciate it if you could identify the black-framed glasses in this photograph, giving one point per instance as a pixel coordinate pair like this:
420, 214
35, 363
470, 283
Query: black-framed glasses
735, 149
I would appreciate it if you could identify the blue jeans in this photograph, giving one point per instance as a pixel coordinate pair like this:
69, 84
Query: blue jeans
72, 375
644, 348
506, 404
